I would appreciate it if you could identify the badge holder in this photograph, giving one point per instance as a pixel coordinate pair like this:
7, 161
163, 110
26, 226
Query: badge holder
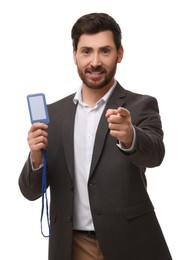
39, 113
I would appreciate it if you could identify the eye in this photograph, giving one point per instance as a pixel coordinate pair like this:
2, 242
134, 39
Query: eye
86, 51
105, 51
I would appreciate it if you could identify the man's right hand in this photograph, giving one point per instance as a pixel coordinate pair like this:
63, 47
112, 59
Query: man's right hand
37, 140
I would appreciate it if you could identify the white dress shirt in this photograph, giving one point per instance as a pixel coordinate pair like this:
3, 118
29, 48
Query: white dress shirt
86, 123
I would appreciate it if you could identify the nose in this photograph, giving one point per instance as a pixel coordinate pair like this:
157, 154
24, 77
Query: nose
96, 60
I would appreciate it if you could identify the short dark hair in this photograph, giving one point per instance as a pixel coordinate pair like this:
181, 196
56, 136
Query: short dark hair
93, 23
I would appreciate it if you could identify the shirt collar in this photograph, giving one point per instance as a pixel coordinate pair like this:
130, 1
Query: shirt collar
78, 96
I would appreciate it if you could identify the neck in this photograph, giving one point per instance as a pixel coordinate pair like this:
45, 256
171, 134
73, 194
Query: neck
91, 96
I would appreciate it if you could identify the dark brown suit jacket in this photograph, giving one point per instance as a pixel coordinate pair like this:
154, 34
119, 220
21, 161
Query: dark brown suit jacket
123, 214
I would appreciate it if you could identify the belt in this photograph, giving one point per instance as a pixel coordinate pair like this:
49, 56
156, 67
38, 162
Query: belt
86, 232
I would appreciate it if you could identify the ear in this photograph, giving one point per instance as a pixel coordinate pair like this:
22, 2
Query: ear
74, 56
120, 54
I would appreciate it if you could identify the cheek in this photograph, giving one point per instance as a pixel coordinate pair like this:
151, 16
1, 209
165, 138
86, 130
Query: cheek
82, 63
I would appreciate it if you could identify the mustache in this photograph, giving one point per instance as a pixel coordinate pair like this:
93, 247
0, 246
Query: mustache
95, 69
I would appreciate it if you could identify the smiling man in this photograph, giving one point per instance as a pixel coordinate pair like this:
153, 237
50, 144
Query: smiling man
99, 143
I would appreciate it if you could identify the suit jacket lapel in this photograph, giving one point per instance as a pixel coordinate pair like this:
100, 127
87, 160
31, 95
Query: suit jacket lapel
116, 100
68, 134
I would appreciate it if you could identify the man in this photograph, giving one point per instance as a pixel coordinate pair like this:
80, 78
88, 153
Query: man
98, 144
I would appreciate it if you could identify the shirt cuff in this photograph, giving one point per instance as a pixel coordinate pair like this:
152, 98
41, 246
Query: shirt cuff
38, 168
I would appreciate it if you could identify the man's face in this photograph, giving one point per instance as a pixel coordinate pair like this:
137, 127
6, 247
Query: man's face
96, 59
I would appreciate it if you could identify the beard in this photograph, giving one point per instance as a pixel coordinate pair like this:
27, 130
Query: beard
101, 79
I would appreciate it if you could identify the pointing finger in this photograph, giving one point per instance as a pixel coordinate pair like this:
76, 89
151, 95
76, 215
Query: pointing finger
123, 111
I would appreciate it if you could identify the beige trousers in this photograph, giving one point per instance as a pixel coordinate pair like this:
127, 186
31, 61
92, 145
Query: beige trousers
86, 248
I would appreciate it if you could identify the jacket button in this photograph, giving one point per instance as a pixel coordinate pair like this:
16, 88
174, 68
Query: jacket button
91, 184
97, 214
69, 219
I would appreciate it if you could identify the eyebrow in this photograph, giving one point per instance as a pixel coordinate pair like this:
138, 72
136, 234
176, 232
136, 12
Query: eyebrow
102, 47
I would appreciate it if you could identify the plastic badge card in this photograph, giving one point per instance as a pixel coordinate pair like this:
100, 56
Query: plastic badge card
38, 108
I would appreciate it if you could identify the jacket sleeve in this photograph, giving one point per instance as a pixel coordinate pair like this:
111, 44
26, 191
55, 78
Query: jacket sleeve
30, 181
149, 149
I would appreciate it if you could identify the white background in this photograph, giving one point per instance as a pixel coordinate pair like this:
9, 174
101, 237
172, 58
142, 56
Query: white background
36, 56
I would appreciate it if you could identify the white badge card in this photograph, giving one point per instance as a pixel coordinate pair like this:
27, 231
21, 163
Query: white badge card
37, 108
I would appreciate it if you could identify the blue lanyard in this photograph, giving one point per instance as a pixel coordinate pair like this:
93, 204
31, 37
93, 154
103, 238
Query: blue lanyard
44, 196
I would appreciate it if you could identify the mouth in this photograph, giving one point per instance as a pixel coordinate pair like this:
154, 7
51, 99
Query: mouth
96, 74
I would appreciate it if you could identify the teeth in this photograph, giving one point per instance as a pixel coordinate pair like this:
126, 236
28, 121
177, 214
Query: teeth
95, 72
